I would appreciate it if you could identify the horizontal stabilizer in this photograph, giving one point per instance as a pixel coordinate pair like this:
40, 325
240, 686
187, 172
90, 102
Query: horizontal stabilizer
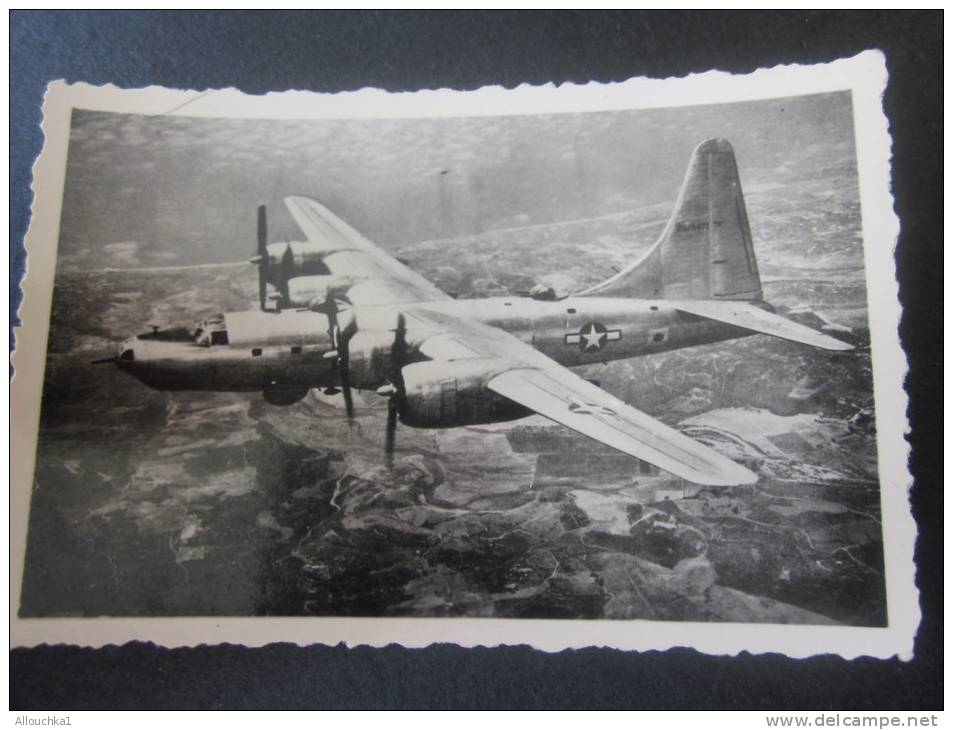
754, 318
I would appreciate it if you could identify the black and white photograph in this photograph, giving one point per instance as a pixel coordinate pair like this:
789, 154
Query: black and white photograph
596, 366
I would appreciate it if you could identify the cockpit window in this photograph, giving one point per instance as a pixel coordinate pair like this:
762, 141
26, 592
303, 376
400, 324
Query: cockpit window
211, 331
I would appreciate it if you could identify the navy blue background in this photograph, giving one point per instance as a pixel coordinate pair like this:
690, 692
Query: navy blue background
259, 52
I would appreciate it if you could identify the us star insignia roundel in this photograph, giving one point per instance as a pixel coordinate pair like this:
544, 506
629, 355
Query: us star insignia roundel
593, 337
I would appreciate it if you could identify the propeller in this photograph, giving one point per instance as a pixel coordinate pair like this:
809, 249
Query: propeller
395, 390
340, 339
344, 363
261, 258
391, 430
286, 266
285, 273
105, 360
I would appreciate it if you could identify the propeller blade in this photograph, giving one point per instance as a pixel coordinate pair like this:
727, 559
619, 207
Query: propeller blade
341, 339
262, 284
399, 353
285, 272
262, 231
346, 381
391, 431
104, 360
398, 358
261, 259
330, 308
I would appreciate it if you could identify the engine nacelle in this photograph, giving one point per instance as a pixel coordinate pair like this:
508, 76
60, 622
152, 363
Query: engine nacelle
306, 258
442, 394
306, 290
284, 396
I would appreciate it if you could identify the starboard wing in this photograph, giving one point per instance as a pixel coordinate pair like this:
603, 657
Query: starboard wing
543, 385
386, 280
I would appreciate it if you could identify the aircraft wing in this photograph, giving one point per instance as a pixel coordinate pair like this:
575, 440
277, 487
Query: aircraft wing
534, 380
350, 254
753, 318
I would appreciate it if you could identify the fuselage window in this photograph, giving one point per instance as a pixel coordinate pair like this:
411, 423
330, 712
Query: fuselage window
571, 310
256, 352
296, 349
658, 337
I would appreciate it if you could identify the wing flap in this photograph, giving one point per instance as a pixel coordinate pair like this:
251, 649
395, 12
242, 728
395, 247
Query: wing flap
592, 412
753, 318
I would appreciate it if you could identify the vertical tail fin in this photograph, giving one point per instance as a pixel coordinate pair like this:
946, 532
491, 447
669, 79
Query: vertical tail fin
705, 251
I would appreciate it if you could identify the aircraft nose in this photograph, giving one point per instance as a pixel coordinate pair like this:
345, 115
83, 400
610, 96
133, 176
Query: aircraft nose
126, 353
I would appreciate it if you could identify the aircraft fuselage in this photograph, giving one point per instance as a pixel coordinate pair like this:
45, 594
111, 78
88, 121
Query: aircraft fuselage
293, 350
585, 330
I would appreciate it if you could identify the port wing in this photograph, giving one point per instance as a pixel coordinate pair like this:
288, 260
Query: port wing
386, 280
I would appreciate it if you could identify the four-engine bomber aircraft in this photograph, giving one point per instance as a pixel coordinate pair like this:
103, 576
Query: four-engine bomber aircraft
349, 315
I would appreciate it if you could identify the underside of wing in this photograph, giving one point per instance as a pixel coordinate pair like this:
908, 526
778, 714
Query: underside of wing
381, 278
546, 387
755, 319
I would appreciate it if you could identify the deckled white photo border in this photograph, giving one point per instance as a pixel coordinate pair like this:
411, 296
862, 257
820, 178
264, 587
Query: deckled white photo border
864, 75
